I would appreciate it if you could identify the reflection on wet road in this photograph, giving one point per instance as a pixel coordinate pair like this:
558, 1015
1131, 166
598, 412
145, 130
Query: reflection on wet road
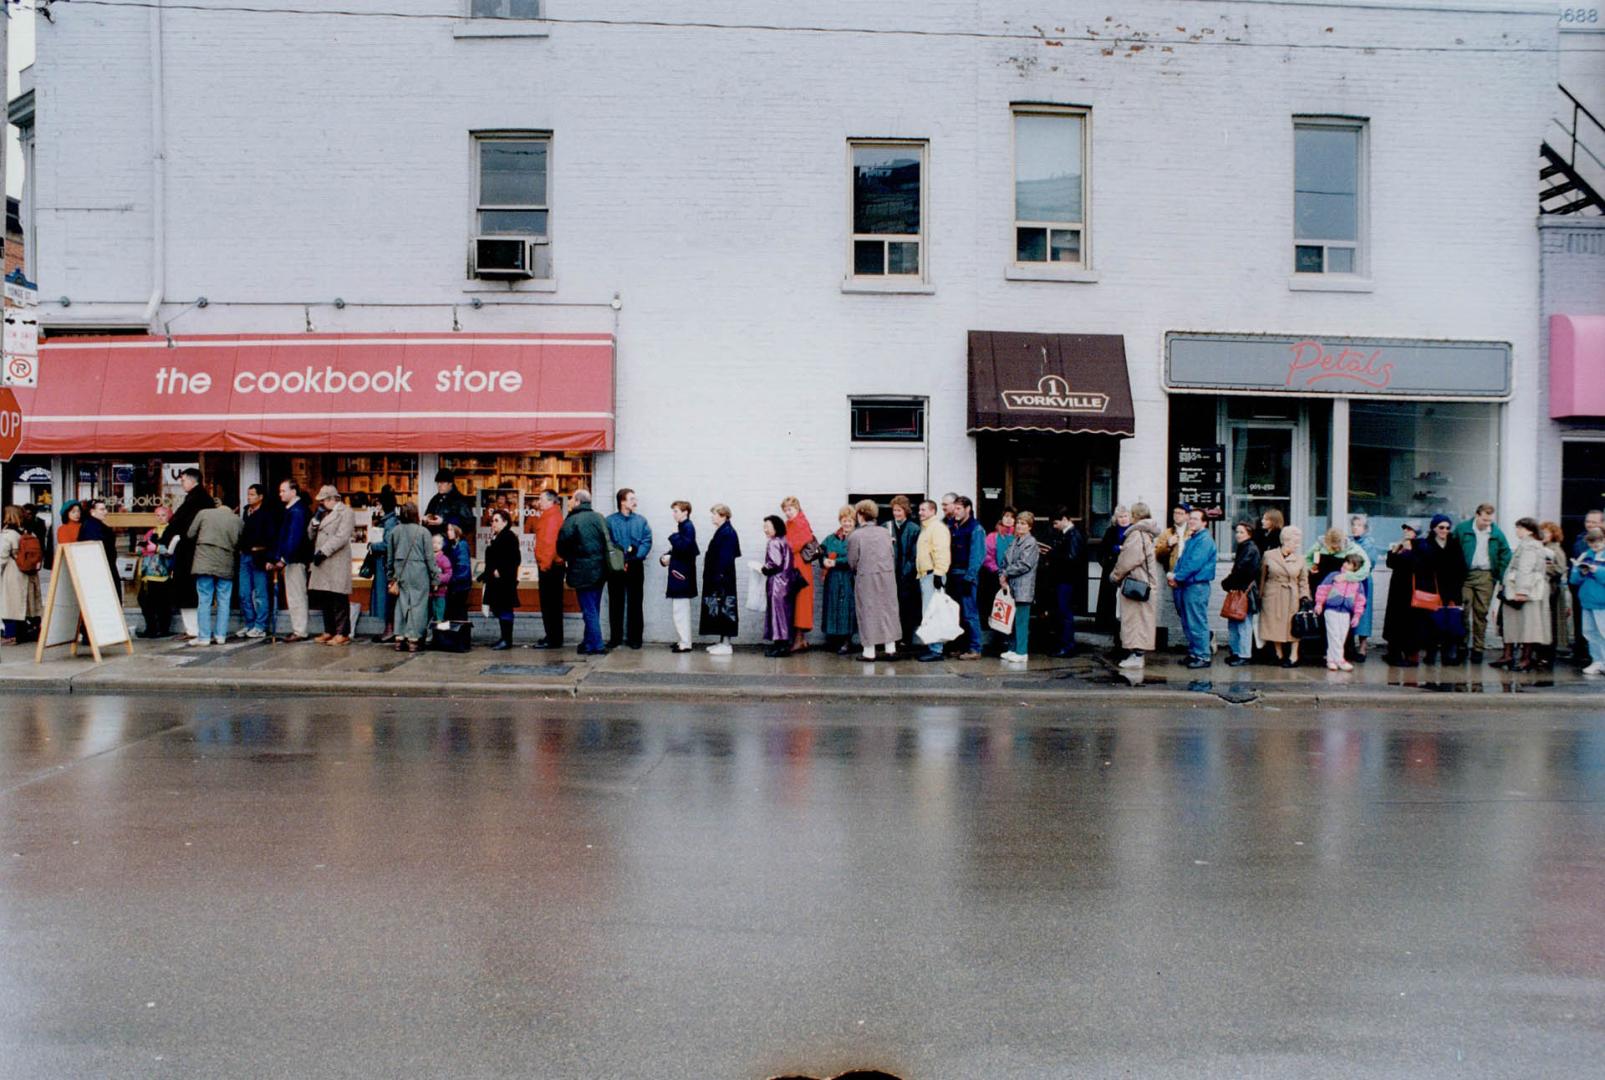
362, 887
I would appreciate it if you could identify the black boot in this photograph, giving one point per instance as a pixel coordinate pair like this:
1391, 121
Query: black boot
507, 636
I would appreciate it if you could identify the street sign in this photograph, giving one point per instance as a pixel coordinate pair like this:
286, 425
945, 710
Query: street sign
22, 332
10, 424
24, 295
19, 371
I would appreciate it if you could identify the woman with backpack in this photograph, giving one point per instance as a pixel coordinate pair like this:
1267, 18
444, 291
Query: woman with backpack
20, 558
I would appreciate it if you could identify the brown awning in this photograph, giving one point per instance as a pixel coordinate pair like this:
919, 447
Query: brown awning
1071, 383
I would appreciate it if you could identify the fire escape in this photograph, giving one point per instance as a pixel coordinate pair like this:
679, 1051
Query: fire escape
1564, 171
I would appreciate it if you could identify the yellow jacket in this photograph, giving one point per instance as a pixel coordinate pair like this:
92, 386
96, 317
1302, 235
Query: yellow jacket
934, 552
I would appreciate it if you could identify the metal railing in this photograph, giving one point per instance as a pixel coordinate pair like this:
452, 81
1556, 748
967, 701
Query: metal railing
1579, 111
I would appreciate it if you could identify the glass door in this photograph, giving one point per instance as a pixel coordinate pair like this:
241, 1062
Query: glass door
1259, 471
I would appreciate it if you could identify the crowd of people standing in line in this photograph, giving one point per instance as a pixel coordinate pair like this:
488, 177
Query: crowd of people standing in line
877, 580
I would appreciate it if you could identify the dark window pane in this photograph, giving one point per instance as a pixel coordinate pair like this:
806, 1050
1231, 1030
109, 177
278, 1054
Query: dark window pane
1031, 245
889, 421
1307, 259
886, 190
507, 9
869, 257
517, 222
512, 172
902, 258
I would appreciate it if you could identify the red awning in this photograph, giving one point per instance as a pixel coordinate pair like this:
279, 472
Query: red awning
322, 393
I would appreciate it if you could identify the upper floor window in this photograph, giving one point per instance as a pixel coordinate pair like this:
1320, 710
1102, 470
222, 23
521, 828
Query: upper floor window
888, 420
504, 9
1328, 196
511, 184
1050, 179
888, 208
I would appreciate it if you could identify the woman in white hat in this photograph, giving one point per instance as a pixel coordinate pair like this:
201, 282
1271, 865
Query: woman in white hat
329, 581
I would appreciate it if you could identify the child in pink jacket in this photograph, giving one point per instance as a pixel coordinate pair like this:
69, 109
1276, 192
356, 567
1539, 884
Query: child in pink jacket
1340, 601
437, 596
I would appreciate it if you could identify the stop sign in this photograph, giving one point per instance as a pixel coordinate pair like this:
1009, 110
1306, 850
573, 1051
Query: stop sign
10, 423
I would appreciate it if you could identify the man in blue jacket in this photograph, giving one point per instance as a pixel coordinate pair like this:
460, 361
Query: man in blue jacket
292, 550
1190, 578
631, 533
969, 553
1487, 557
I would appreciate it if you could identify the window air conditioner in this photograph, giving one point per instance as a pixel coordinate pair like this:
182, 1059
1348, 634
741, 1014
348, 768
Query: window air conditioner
506, 257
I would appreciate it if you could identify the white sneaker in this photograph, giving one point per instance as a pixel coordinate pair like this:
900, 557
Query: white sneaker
721, 648
220, 641
1344, 665
1010, 657
255, 632
195, 641
1135, 660
1596, 668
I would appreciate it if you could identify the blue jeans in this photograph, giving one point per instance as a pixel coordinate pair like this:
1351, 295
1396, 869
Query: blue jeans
1242, 637
969, 612
1064, 599
253, 594
591, 611
928, 590
1022, 628
206, 588
1192, 604
1594, 633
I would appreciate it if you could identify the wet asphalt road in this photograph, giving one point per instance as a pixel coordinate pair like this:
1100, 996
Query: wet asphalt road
378, 888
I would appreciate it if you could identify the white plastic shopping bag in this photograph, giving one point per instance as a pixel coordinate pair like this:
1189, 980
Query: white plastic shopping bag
757, 587
1003, 608
941, 622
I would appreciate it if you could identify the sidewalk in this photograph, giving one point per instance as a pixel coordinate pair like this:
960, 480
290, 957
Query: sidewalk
255, 667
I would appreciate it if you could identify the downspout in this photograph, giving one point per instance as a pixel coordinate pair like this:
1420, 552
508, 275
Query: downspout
158, 169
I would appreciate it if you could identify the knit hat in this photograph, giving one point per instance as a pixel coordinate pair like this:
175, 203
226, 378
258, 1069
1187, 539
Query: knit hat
444, 476
328, 491
1436, 518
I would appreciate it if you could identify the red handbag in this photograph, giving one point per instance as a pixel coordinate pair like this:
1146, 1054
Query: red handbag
1425, 600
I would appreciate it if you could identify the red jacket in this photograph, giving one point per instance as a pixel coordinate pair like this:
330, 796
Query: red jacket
546, 529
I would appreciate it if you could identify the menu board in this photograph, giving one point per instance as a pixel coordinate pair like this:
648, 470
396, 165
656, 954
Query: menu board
1199, 479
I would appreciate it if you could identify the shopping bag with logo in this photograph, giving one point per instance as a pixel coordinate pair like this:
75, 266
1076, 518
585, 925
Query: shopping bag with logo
941, 621
1003, 609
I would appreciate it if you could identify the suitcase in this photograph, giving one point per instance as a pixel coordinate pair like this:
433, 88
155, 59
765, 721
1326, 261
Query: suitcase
457, 637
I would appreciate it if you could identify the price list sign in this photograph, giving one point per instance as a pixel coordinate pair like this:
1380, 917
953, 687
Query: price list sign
1200, 479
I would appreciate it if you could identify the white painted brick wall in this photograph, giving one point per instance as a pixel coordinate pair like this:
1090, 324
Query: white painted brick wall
702, 175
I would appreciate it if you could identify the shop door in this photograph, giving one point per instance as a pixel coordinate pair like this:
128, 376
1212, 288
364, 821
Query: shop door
1259, 471
1582, 482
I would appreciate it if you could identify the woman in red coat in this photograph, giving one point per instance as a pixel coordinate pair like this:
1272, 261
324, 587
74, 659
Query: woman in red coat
799, 534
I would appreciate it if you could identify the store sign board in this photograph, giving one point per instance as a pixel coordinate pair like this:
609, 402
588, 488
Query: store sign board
329, 393
1384, 367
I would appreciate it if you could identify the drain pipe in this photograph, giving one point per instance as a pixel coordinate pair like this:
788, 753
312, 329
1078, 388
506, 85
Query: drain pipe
158, 169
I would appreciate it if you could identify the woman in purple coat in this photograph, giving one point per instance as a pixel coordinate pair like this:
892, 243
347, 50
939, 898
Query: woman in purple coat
778, 570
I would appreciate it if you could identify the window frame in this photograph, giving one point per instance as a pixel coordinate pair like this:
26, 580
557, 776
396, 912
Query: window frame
1360, 246
871, 400
540, 13
477, 205
923, 146
1084, 226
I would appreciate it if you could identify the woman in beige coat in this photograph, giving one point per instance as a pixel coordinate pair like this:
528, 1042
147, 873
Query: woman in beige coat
19, 592
1284, 582
1138, 560
1526, 595
329, 580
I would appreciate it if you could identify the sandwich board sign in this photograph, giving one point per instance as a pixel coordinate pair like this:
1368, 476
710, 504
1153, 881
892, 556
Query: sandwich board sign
83, 595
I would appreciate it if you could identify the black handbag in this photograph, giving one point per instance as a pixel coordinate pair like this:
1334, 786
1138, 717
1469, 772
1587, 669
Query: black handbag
1307, 623
369, 561
1133, 589
810, 552
454, 637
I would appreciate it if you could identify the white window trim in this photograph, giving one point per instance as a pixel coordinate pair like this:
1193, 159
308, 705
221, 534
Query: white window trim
1043, 270
889, 282
1359, 279
541, 284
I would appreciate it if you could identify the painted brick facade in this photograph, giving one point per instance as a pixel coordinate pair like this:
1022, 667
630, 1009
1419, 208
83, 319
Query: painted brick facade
701, 175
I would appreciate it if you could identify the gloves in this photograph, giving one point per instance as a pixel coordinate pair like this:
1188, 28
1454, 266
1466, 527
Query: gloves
937, 580
318, 559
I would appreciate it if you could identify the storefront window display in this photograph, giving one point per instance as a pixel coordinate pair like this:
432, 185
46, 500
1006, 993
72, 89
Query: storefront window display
359, 477
514, 481
1409, 460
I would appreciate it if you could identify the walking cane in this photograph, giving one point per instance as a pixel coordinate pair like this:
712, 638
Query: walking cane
273, 605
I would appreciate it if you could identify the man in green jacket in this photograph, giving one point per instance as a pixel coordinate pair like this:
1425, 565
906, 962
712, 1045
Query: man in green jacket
1487, 556
582, 544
